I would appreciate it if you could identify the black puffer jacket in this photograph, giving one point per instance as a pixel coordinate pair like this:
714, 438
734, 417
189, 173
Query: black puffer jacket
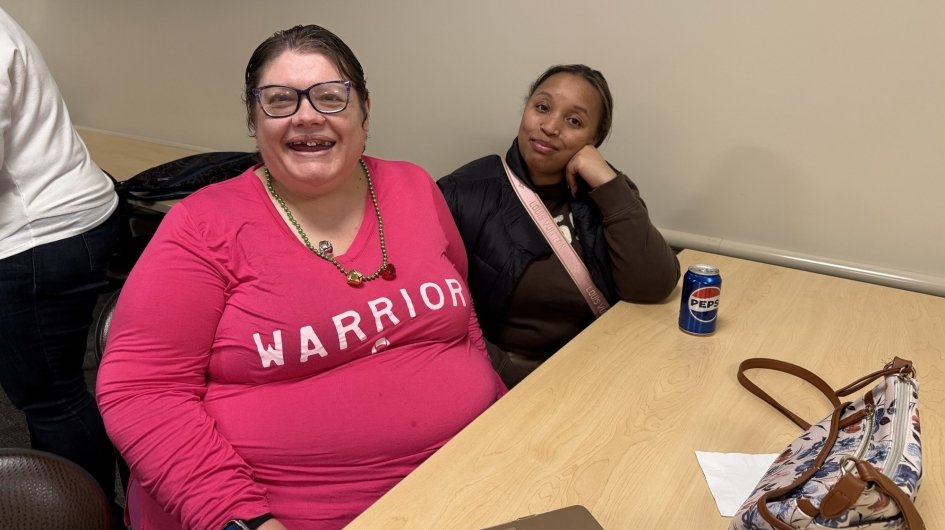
501, 239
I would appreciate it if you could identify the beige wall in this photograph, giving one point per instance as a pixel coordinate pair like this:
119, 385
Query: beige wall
802, 129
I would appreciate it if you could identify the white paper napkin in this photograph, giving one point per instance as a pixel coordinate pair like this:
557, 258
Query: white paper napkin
733, 476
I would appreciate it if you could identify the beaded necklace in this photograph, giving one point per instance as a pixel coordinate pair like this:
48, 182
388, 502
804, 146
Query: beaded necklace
324, 249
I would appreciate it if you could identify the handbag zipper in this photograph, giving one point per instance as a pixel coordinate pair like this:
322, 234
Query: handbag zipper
900, 424
849, 462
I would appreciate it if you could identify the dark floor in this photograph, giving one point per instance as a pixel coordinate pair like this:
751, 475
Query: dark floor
12, 425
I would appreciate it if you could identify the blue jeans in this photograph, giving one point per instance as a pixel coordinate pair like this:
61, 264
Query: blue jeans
47, 296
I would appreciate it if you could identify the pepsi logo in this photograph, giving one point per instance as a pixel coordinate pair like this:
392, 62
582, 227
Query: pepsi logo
704, 303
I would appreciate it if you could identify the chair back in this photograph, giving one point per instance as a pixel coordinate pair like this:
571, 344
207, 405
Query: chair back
101, 324
43, 491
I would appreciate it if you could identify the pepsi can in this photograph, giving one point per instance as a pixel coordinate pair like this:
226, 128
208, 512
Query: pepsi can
699, 305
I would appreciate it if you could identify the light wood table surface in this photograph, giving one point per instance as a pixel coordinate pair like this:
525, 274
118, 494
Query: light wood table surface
124, 157
612, 421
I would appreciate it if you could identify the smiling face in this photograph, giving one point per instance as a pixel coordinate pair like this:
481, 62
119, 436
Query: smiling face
310, 153
560, 118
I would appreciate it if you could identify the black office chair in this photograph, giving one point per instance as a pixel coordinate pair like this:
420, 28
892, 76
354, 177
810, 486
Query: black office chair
102, 323
43, 491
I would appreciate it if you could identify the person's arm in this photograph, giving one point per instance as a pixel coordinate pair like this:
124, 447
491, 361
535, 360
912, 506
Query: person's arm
453, 203
153, 379
7, 107
645, 268
456, 252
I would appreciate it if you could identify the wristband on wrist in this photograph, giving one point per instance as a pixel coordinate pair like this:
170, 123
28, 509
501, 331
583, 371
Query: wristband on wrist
247, 524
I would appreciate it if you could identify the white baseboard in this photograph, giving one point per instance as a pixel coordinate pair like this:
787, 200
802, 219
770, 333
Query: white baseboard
867, 273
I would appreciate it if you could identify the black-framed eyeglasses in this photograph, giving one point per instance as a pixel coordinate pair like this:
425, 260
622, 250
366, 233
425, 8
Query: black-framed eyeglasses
279, 101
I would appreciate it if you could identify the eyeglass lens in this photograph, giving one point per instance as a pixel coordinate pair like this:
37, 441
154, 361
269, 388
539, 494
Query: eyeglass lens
281, 101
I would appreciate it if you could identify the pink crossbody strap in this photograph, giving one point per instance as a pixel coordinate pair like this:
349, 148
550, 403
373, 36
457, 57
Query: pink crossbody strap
565, 252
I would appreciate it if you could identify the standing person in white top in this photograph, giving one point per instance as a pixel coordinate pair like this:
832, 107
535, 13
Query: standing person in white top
58, 225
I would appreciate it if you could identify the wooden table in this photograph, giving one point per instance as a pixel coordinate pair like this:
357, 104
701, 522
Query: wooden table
612, 421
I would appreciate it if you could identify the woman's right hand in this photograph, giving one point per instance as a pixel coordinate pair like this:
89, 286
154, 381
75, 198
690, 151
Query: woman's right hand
588, 164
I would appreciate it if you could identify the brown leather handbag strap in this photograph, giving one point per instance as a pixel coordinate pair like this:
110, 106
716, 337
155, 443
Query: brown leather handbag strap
907, 508
867, 472
803, 477
897, 366
788, 368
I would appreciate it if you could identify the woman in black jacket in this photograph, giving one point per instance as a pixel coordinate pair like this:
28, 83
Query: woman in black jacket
528, 305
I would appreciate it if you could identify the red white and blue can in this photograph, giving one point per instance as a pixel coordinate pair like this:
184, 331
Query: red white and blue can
699, 304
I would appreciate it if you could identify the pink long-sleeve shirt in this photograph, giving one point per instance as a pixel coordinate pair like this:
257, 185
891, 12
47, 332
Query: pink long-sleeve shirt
244, 376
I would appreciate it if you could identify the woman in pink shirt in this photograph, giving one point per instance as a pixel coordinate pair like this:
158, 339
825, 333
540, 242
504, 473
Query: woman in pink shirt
296, 340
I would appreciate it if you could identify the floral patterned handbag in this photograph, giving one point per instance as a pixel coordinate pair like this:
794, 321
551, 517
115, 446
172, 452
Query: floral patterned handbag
860, 467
